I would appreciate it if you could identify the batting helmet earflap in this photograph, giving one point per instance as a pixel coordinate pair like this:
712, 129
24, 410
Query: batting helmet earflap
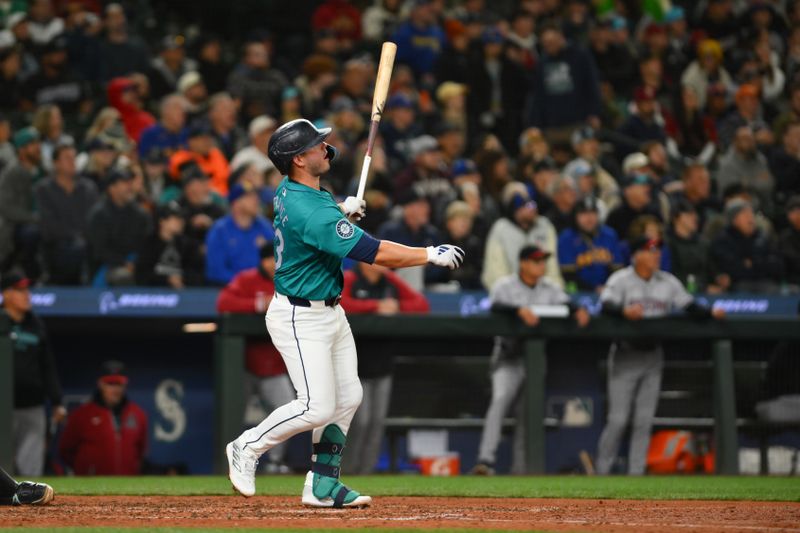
293, 138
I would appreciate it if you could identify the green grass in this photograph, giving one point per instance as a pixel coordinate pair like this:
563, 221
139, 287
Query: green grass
638, 488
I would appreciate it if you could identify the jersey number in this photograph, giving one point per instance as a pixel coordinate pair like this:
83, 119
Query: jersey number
278, 249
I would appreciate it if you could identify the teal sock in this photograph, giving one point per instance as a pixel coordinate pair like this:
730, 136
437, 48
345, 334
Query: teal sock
326, 467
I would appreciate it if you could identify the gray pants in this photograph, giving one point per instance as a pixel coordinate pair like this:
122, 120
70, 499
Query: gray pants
274, 391
366, 431
28, 432
508, 378
634, 383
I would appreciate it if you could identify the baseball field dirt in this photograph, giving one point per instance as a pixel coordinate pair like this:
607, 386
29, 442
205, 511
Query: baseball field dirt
229, 512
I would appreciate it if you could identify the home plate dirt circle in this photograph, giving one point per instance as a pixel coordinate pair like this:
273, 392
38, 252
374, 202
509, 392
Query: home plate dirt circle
411, 513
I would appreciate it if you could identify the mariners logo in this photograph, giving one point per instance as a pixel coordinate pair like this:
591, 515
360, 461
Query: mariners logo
344, 229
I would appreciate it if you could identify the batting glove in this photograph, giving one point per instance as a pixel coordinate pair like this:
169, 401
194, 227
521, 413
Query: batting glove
446, 255
354, 208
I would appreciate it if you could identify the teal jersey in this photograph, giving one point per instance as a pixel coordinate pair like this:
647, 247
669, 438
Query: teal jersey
312, 235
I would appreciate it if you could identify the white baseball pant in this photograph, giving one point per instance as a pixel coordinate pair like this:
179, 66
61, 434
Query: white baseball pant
318, 349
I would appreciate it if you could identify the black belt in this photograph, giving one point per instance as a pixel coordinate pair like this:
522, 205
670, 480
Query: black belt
302, 302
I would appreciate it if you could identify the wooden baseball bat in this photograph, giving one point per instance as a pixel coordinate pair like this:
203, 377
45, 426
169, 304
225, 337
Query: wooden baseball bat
385, 65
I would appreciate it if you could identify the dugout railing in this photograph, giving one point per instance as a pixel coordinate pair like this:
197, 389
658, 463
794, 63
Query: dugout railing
234, 329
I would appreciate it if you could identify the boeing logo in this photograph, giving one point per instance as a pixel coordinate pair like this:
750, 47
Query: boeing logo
109, 302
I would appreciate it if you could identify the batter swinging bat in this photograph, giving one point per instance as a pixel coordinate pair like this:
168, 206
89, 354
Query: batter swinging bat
378, 102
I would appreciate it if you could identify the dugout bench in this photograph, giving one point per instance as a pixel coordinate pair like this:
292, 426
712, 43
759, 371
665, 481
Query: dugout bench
230, 343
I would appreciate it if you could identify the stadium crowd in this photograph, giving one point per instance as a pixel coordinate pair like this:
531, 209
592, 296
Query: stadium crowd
576, 126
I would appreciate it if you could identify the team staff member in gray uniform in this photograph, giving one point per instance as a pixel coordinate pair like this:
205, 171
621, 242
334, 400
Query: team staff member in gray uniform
305, 321
638, 292
514, 295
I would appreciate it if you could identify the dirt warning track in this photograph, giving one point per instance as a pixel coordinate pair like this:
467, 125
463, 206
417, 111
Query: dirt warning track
411, 513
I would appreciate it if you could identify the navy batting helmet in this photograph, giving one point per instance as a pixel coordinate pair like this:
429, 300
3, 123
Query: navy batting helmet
294, 138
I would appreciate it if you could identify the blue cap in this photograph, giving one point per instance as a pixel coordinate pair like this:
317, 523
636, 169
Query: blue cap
399, 100
492, 36
239, 190
674, 14
464, 166
197, 128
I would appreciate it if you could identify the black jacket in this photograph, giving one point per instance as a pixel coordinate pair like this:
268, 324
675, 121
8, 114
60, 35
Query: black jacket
158, 260
690, 257
790, 248
747, 259
116, 233
35, 378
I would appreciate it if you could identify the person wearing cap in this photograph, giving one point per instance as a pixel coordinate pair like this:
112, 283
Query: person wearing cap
645, 124
586, 145
200, 205
56, 83
521, 225
427, 176
35, 377
107, 435
167, 258
120, 52
573, 97
640, 291
118, 227
260, 131
63, 200
190, 85
789, 241
123, 96
19, 232
398, 127
169, 134
745, 164
102, 153
420, 40
588, 251
256, 83
637, 200
452, 63
748, 113
592, 180
233, 242
376, 290
514, 296
689, 250
707, 68
745, 258
200, 149
168, 67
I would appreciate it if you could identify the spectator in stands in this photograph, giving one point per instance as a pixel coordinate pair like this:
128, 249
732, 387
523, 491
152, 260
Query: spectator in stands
521, 225
636, 201
200, 149
744, 164
790, 242
453, 61
191, 86
318, 76
413, 228
210, 64
746, 257
10, 74
44, 25
638, 292
201, 206
614, 60
260, 131
255, 83
661, 167
169, 66
459, 223
427, 177
63, 200
564, 195
381, 19
566, 91
747, 113
341, 17
19, 232
373, 289
420, 41
694, 130
706, 69
790, 115
117, 230
233, 242
696, 192
49, 122
106, 436
588, 251
168, 134
56, 83
586, 146
689, 250
513, 295
123, 96
35, 377
121, 53
167, 258
8, 155
250, 291
229, 137
102, 154
397, 128
784, 164
452, 141
645, 124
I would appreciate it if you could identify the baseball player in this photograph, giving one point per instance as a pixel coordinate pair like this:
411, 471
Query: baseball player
305, 321
640, 291
514, 295
25, 493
